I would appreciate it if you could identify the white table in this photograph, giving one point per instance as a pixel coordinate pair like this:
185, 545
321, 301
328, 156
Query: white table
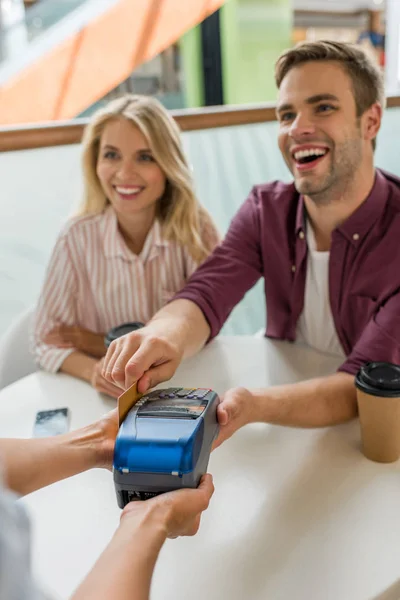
297, 514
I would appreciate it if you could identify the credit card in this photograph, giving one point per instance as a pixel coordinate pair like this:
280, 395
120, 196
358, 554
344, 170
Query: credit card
126, 401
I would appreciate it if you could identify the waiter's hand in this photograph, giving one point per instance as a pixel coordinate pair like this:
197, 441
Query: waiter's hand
233, 412
179, 512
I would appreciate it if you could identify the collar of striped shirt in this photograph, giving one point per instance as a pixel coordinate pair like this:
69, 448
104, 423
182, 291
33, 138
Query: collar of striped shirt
114, 244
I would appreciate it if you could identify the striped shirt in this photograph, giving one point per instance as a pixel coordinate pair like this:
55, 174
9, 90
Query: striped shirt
96, 282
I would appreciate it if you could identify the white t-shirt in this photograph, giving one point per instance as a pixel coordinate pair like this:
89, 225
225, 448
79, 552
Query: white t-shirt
315, 326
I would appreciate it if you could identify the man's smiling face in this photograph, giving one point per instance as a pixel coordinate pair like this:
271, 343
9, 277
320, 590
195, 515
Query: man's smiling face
320, 135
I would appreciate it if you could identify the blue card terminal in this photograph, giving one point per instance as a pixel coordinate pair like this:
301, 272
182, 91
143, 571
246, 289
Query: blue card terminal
164, 443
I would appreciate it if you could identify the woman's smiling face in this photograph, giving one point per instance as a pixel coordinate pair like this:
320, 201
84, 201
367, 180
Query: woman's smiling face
129, 176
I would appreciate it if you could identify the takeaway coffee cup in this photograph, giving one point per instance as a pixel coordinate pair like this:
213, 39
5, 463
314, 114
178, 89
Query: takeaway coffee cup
121, 330
378, 398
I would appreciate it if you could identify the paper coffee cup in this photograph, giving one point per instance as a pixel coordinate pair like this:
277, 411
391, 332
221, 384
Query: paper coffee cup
378, 398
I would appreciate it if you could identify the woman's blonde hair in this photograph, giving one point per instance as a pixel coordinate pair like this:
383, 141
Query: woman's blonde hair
181, 215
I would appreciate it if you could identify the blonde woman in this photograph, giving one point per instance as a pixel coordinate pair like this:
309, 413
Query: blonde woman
139, 236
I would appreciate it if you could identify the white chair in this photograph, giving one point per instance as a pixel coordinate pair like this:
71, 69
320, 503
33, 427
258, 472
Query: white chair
260, 333
16, 361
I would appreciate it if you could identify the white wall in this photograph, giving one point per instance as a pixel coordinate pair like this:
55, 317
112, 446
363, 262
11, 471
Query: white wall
39, 189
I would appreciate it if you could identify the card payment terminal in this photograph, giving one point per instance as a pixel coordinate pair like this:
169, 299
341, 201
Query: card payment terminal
164, 443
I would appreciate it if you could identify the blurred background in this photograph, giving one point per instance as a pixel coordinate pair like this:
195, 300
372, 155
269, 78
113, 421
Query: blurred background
210, 61
77, 54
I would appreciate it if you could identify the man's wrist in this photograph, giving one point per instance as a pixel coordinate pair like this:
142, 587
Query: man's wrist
173, 337
168, 327
173, 323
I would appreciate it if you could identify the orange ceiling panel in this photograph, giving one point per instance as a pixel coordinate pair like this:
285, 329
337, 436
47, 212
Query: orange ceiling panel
86, 66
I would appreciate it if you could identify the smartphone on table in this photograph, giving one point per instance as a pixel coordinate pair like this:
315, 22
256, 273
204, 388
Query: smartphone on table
51, 422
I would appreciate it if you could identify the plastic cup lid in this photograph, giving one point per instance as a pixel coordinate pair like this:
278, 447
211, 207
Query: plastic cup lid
121, 330
380, 378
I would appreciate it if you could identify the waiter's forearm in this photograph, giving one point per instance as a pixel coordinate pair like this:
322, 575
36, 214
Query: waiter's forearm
125, 568
30, 464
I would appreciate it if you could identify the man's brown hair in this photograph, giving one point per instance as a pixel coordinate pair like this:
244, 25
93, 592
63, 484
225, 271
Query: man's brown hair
366, 78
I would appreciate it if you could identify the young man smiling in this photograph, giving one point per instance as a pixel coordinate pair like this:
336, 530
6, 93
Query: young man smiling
326, 246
